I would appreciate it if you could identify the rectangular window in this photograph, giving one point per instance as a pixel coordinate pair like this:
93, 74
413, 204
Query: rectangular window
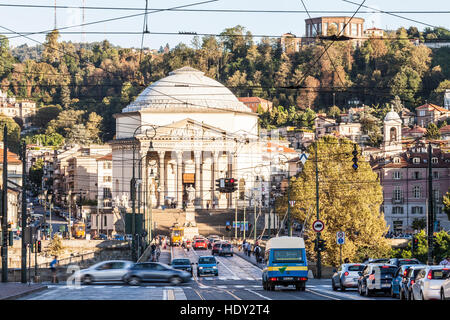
416, 175
421, 113
416, 192
397, 210
435, 175
417, 210
354, 29
416, 160
107, 179
398, 226
397, 193
396, 175
106, 193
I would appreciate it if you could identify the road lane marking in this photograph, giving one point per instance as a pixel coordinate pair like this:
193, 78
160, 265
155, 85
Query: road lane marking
164, 295
322, 295
170, 295
258, 294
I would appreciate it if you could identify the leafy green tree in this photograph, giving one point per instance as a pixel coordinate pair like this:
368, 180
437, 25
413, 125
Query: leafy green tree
44, 115
432, 132
13, 133
446, 201
349, 201
36, 172
334, 112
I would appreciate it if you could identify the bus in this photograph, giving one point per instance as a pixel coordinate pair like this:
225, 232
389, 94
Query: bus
285, 263
79, 230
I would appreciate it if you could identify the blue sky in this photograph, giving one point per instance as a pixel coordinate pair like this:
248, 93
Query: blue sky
40, 19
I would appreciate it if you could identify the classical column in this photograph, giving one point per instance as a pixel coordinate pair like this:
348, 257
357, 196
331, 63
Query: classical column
198, 159
162, 178
179, 179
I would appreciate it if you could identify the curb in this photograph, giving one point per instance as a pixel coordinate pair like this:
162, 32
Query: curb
246, 259
19, 295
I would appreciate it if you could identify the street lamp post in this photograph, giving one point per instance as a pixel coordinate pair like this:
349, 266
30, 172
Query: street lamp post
50, 208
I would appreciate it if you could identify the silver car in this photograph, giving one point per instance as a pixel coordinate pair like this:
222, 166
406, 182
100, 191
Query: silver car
346, 276
445, 288
113, 270
428, 283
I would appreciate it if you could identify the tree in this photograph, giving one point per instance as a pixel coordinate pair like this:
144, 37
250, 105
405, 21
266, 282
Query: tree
432, 132
44, 115
36, 172
78, 134
446, 201
55, 247
93, 127
13, 133
349, 201
334, 112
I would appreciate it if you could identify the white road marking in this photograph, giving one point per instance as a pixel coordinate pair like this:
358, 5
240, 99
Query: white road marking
258, 294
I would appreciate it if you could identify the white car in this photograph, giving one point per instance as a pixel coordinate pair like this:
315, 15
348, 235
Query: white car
445, 288
113, 270
428, 283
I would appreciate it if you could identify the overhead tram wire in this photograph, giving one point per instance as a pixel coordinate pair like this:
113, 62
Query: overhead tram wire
331, 43
393, 14
115, 19
245, 11
144, 31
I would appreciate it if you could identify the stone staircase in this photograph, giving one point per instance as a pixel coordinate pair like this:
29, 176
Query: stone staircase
208, 221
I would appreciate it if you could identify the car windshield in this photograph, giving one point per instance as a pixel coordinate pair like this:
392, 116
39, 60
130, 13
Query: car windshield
207, 260
356, 267
388, 270
288, 256
180, 262
407, 261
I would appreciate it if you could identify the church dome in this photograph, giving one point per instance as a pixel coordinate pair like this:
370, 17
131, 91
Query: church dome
392, 115
186, 89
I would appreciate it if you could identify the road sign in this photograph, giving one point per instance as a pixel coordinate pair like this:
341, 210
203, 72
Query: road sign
318, 225
340, 237
303, 157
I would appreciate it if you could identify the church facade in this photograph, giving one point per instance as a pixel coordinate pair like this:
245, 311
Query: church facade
182, 133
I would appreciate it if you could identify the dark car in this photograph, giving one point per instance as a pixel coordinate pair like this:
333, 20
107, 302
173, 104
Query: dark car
222, 249
397, 280
182, 264
155, 272
400, 261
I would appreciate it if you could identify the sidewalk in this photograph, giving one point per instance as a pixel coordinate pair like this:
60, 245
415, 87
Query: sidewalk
14, 290
250, 259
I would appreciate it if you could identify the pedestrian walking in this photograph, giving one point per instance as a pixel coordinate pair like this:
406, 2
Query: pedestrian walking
158, 253
53, 265
153, 252
257, 252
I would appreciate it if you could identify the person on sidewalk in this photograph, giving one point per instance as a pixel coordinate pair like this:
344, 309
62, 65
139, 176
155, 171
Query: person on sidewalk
53, 265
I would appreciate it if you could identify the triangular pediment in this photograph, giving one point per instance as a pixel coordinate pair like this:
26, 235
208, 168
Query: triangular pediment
190, 128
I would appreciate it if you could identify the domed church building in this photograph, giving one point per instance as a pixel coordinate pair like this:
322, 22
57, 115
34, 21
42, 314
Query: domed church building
181, 134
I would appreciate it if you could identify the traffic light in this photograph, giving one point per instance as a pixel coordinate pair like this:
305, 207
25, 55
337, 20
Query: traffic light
228, 228
321, 246
39, 246
230, 185
414, 244
355, 158
220, 185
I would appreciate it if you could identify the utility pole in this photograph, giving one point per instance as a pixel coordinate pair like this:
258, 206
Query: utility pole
289, 203
319, 261
70, 214
23, 273
133, 208
244, 216
430, 220
235, 216
5, 208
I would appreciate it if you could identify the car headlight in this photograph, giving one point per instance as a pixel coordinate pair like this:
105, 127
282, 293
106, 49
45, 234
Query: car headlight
200, 268
214, 267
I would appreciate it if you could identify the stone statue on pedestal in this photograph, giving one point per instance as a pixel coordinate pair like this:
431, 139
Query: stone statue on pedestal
191, 195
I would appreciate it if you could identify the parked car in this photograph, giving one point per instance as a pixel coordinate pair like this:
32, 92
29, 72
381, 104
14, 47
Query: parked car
112, 270
445, 288
182, 264
408, 281
207, 265
200, 244
397, 280
427, 285
376, 277
155, 272
222, 249
346, 276
400, 261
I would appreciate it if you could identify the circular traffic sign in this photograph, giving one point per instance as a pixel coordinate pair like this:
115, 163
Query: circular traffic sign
318, 226
340, 240
340, 234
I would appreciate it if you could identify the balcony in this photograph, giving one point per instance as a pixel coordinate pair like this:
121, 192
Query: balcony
398, 200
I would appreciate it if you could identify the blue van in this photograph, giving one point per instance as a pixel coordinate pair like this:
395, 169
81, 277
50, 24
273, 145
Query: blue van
286, 264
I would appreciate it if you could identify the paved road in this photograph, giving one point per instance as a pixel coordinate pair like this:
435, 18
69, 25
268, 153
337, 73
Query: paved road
238, 280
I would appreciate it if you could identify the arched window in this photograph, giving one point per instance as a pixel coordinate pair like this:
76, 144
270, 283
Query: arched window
393, 134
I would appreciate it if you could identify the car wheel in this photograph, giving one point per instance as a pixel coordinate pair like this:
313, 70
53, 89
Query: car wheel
401, 296
264, 285
134, 281
87, 279
360, 290
333, 286
411, 296
342, 287
216, 274
175, 280
231, 254
421, 296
